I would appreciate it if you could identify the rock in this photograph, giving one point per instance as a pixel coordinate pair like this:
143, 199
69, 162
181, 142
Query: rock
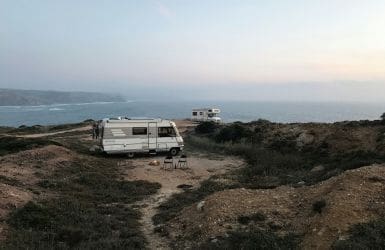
184, 186
376, 178
321, 232
215, 240
274, 225
318, 168
161, 230
304, 139
200, 206
94, 148
154, 163
301, 183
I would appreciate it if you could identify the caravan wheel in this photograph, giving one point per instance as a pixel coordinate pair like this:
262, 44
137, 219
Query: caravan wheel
174, 151
131, 155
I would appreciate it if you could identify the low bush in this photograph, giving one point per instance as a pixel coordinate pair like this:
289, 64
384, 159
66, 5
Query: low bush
369, 235
245, 219
11, 181
233, 133
283, 144
266, 167
71, 223
23, 129
206, 127
91, 209
254, 239
174, 205
319, 205
353, 159
10, 144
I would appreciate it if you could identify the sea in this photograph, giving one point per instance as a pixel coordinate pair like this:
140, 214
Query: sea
245, 111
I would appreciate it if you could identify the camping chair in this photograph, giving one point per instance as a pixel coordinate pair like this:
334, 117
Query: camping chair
168, 162
182, 162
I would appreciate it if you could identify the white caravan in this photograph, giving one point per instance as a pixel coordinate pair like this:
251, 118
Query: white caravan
206, 114
130, 136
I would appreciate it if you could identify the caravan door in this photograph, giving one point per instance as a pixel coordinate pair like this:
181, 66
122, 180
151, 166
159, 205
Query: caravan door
152, 135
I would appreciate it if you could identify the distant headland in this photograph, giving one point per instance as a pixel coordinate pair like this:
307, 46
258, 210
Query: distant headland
16, 97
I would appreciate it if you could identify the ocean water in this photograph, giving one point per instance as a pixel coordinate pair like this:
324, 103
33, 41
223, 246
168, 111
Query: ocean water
231, 111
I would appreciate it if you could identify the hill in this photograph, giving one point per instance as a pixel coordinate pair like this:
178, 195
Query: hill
257, 185
15, 97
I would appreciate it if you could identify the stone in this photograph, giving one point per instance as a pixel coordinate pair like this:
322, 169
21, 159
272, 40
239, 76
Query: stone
200, 206
304, 139
318, 168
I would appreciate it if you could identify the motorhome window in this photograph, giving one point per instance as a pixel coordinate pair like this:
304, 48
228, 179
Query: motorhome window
195, 113
166, 132
139, 131
201, 113
210, 110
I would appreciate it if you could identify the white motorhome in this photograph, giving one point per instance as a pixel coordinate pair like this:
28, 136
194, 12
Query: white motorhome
206, 114
141, 135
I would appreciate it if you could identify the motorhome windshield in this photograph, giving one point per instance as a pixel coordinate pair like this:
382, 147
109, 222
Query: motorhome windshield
166, 132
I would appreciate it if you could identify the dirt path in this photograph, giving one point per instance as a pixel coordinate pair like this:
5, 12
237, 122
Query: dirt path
55, 133
199, 169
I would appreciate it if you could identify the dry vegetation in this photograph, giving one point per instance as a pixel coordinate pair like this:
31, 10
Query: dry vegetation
259, 185
286, 163
58, 196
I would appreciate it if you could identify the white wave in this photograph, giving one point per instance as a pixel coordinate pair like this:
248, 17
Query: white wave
55, 109
61, 104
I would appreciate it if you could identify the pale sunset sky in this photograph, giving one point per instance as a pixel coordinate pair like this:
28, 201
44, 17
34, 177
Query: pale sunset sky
306, 50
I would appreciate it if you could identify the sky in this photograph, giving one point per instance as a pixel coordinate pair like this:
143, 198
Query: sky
299, 50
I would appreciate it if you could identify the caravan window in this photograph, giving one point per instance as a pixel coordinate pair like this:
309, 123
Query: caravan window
200, 113
166, 132
195, 113
139, 131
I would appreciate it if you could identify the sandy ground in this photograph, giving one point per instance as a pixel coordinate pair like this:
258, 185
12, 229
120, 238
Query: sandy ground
356, 196
185, 125
199, 169
27, 166
22, 171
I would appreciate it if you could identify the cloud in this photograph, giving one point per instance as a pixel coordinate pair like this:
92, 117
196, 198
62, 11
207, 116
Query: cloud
164, 10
